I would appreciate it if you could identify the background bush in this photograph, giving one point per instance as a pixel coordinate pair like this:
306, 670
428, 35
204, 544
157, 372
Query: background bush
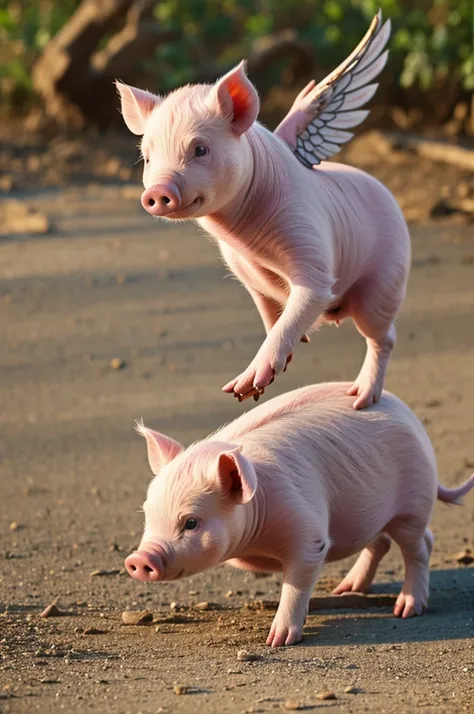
432, 42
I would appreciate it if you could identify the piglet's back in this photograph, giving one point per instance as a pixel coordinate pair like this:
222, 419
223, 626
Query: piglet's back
316, 428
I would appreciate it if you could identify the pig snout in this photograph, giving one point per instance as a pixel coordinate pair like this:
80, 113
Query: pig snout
145, 566
161, 199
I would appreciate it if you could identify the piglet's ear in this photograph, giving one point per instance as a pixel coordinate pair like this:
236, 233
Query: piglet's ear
237, 476
234, 97
161, 449
137, 106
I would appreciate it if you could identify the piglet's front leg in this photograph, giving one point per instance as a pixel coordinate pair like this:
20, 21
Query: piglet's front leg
301, 311
298, 582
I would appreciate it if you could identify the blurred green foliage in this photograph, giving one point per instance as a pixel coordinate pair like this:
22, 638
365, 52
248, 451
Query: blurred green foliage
432, 41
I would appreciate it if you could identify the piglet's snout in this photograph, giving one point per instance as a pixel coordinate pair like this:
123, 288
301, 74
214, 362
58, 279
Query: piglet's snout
144, 566
161, 199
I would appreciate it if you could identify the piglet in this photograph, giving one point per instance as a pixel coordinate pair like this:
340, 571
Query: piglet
313, 242
298, 481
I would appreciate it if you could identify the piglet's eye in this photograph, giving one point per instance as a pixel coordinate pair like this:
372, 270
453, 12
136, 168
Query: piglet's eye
200, 150
191, 524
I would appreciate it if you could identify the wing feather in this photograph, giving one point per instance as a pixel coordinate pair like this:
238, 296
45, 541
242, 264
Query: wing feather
313, 125
347, 120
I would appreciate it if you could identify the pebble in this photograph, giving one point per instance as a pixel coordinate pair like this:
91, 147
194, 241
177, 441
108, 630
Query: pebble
352, 666
180, 689
465, 557
52, 611
118, 363
137, 617
100, 572
324, 696
292, 704
14, 526
207, 605
353, 690
246, 656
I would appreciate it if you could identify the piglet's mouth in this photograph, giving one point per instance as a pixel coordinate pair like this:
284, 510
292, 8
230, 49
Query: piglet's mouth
186, 211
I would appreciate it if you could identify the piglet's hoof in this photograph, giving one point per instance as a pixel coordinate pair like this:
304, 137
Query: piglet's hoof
255, 392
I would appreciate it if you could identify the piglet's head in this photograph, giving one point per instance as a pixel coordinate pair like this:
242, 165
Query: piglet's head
191, 146
192, 517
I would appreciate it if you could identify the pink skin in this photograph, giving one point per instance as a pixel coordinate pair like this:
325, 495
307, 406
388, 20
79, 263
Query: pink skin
311, 246
298, 481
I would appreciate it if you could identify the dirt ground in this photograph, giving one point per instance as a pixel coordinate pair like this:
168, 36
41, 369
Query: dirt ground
108, 282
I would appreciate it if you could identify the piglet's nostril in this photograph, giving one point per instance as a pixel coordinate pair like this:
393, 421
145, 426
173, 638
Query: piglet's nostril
148, 569
165, 200
133, 567
151, 201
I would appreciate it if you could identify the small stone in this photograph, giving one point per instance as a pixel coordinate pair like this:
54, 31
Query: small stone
117, 363
173, 606
325, 696
246, 656
94, 631
52, 611
234, 671
229, 594
78, 630
14, 526
465, 557
180, 689
207, 605
292, 704
137, 617
113, 547
352, 666
97, 573
353, 690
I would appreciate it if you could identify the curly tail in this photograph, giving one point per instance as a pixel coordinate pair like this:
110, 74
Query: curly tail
454, 495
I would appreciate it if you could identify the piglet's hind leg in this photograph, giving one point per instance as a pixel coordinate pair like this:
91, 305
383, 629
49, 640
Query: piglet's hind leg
416, 550
369, 384
360, 576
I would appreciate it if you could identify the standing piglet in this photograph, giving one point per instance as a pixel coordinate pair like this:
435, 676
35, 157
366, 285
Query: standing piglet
312, 242
298, 481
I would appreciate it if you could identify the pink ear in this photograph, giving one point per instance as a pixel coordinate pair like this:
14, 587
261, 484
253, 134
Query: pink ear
161, 449
237, 476
235, 97
137, 106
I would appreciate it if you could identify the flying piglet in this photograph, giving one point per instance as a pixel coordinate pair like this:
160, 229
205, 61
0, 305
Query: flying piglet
313, 242
297, 481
